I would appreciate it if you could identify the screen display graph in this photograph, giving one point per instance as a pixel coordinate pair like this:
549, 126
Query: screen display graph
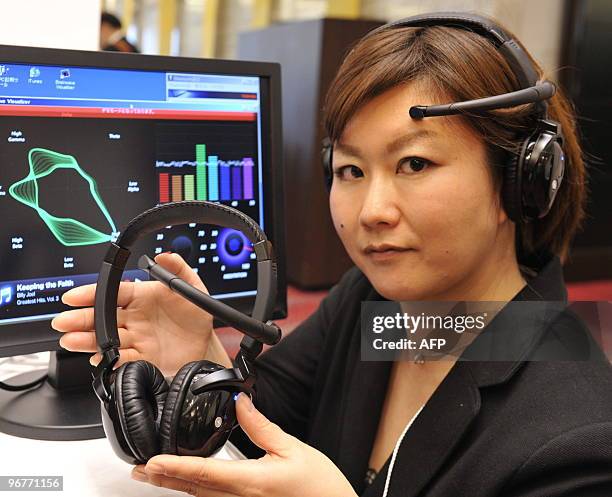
213, 179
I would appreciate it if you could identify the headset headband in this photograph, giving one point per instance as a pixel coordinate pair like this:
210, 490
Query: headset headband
156, 218
517, 58
532, 90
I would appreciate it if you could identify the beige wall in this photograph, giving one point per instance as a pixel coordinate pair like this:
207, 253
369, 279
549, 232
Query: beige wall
535, 23
234, 16
538, 24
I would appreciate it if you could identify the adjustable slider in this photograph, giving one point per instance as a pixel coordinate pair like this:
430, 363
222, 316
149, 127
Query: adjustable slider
109, 359
117, 256
552, 127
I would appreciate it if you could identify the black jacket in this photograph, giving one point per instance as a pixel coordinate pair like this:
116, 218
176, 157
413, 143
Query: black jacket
505, 429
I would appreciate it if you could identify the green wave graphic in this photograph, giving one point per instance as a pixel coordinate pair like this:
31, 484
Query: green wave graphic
68, 232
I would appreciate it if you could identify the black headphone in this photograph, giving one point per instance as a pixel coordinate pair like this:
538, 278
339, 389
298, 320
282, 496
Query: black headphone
194, 415
533, 177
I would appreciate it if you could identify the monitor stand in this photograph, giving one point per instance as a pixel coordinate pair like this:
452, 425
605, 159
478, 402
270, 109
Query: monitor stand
63, 407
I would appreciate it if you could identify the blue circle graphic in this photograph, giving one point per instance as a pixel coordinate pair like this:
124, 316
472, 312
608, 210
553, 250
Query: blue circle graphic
233, 247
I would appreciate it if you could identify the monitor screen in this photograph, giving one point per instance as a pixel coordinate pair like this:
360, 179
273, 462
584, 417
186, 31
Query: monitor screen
90, 140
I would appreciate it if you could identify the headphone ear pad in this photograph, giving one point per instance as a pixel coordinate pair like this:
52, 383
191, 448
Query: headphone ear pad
511, 188
140, 393
174, 401
326, 161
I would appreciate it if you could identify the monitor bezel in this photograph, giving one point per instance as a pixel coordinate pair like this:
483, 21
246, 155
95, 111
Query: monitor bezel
37, 336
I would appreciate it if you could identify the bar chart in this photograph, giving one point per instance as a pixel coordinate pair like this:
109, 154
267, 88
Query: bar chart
213, 180
215, 162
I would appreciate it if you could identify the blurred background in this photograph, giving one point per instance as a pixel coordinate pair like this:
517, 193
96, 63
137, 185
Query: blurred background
211, 28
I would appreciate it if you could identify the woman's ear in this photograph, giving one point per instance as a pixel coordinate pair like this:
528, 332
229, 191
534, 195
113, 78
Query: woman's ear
497, 204
502, 216
496, 159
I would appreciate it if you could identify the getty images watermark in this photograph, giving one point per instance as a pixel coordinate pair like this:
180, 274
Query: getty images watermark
486, 331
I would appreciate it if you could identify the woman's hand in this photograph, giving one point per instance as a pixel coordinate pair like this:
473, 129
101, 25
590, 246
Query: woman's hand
289, 469
155, 324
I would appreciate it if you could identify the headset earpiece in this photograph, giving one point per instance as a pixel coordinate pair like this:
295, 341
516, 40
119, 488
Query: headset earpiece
132, 415
326, 160
197, 425
540, 167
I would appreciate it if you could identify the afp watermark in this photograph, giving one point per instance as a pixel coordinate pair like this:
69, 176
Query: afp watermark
485, 331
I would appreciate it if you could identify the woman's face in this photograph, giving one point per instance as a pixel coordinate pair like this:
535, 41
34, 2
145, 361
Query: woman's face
413, 201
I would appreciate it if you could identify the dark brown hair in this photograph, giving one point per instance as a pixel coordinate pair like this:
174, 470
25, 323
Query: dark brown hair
457, 64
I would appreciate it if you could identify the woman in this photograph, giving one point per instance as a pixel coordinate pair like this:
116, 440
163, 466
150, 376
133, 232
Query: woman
418, 205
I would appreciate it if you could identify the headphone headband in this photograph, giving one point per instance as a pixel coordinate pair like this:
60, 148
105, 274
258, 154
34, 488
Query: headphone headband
517, 58
189, 211
203, 212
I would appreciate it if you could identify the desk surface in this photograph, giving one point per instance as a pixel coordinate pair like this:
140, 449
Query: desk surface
90, 467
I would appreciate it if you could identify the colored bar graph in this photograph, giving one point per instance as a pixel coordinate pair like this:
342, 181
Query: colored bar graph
236, 183
177, 190
213, 177
247, 177
164, 188
189, 188
201, 172
225, 182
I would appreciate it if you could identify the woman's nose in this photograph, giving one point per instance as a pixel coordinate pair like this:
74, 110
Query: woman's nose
380, 204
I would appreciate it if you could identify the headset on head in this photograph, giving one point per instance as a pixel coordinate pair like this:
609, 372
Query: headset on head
532, 178
194, 415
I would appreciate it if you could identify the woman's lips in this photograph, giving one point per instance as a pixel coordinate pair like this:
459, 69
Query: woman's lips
380, 254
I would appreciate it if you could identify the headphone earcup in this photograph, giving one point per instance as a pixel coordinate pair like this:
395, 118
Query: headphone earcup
196, 425
511, 187
167, 426
140, 392
114, 431
326, 161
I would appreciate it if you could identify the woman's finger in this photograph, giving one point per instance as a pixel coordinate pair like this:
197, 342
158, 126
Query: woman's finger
79, 341
177, 265
85, 341
82, 320
74, 320
227, 476
82, 296
188, 487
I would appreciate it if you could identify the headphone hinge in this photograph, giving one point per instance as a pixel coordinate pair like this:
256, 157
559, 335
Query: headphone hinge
100, 385
249, 350
263, 250
117, 256
550, 126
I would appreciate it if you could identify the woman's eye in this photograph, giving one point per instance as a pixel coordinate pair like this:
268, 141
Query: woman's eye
348, 172
413, 165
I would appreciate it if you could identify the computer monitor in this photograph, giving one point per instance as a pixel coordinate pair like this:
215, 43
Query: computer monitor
88, 140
